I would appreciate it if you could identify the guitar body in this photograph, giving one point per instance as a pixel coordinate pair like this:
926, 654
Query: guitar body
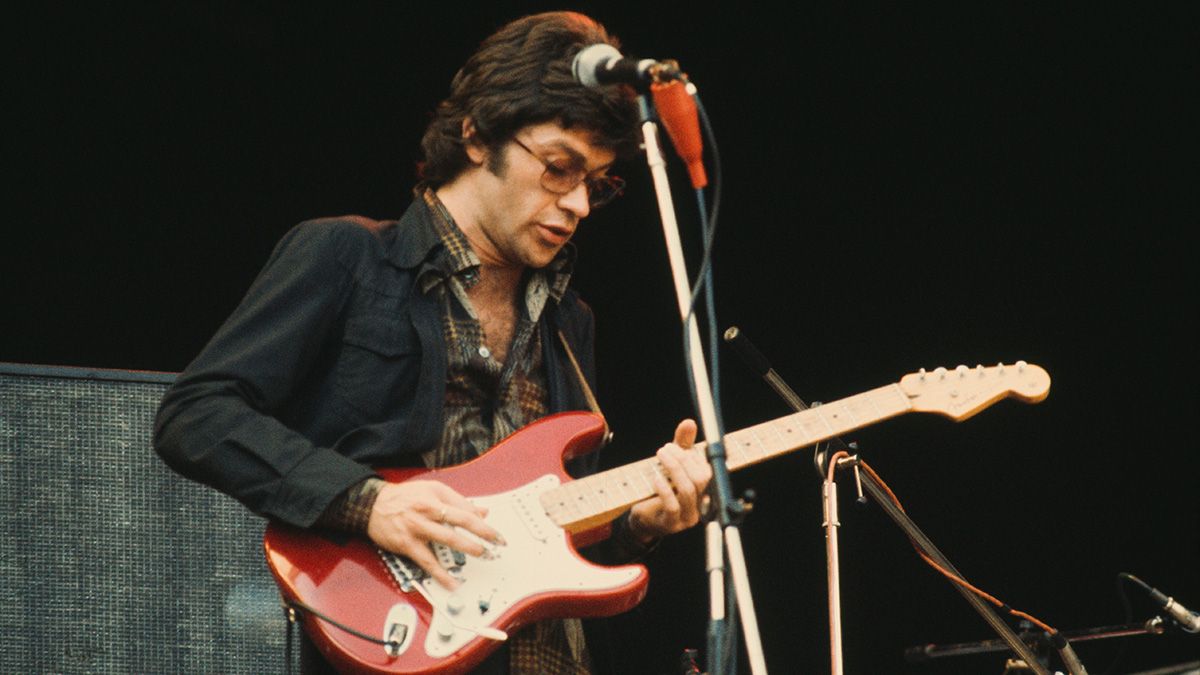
537, 575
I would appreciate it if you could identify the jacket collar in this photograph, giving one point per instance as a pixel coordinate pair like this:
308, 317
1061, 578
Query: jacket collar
415, 237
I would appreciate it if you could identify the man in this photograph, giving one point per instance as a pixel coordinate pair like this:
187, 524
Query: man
424, 341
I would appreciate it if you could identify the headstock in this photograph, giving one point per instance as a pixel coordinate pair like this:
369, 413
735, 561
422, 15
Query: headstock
962, 392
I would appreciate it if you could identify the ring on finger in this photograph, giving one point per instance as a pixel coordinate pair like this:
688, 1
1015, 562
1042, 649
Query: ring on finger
442, 516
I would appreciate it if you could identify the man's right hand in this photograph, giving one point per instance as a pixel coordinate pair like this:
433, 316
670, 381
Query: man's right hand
408, 516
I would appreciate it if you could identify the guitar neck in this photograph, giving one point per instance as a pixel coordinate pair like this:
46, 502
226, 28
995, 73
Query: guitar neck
585, 503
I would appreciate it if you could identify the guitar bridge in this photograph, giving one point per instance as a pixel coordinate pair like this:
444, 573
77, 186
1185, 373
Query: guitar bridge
406, 573
403, 570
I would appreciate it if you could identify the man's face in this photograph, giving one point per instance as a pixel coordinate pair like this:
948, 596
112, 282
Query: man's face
524, 223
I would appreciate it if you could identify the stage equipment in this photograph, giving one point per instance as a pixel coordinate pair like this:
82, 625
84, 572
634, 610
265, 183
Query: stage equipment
827, 465
1188, 620
1035, 639
110, 562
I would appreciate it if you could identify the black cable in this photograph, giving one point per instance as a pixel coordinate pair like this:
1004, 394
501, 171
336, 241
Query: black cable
1125, 604
297, 605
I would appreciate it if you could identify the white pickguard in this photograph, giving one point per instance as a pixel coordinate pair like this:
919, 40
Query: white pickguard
537, 559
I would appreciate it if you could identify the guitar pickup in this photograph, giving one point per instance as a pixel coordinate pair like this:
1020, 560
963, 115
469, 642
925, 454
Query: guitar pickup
450, 559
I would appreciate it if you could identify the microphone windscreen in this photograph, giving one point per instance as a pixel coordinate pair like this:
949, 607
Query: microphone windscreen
589, 60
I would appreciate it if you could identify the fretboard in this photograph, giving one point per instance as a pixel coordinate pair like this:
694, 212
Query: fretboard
596, 499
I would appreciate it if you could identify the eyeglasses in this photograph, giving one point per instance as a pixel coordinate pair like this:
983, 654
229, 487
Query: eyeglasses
561, 179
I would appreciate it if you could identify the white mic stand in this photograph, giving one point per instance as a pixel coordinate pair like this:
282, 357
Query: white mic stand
708, 420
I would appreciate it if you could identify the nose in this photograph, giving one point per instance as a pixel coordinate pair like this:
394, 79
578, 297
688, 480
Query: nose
576, 201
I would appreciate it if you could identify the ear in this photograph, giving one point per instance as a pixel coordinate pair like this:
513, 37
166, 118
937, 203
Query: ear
476, 151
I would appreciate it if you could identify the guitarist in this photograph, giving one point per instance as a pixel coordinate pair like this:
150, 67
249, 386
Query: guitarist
426, 340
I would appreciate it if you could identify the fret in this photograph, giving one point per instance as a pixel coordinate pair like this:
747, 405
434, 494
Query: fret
759, 447
575, 498
601, 495
590, 495
647, 472
743, 443
820, 413
782, 442
559, 506
847, 406
810, 421
874, 406
801, 438
626, 487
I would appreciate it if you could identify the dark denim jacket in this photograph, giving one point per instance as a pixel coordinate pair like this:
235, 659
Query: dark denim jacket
334, 362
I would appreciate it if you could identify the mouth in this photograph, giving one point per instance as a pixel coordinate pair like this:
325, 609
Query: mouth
555, 234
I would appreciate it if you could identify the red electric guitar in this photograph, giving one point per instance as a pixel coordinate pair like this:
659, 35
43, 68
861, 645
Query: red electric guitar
543, 515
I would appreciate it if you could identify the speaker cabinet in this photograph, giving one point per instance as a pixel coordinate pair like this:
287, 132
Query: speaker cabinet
110, 562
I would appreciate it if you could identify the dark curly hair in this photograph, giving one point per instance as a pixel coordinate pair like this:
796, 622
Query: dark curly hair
521, 75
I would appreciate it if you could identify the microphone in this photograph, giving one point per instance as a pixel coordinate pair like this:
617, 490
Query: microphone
1187, 619
600, 64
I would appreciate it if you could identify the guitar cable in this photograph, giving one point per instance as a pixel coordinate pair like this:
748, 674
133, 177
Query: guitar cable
291, 609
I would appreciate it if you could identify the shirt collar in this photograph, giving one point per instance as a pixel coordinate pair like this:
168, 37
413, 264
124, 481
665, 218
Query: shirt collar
432, 241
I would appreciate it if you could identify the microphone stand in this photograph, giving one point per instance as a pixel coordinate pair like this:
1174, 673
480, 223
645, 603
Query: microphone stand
752, 357
725, 509
864, 478
1153, 626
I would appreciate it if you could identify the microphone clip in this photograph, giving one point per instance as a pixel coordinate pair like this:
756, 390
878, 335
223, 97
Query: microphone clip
663, 72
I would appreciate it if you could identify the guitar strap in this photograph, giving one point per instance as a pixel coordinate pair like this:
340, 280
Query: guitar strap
584, 386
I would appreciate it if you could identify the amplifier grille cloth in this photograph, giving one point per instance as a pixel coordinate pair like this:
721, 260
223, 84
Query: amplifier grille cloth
110, 562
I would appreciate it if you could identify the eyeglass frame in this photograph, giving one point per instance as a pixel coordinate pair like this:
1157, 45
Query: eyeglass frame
610, 187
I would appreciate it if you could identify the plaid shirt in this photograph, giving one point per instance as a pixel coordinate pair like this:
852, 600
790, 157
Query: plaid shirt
486, 400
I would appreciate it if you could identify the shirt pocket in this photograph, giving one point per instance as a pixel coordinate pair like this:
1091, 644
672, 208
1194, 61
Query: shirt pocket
378, 366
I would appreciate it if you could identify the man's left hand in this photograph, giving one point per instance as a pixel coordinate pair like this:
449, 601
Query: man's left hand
680, 487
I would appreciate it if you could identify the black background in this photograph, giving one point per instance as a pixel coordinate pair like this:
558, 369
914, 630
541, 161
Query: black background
904, 188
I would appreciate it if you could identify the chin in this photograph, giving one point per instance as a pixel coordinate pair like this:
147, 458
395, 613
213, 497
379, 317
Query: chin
542, 257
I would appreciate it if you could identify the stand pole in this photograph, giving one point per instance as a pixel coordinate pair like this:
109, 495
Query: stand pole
833, 576
910, 528
706, 412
